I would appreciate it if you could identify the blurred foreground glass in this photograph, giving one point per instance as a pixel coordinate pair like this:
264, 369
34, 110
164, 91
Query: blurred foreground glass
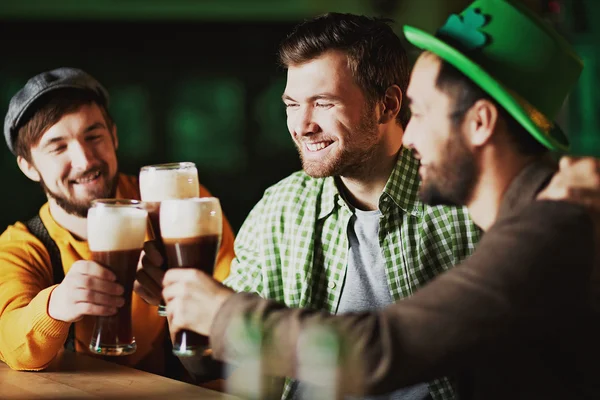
191, 232
116, 233
164, 182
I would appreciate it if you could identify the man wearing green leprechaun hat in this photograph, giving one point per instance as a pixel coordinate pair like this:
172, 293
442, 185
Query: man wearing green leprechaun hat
513, 321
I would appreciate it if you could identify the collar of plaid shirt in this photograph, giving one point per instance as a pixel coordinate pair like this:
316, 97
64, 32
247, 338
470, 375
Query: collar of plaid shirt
402, 188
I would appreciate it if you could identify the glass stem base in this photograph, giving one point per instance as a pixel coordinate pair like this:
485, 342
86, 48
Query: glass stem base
113, 350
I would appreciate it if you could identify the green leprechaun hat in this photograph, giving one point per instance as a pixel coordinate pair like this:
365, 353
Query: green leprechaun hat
512, 54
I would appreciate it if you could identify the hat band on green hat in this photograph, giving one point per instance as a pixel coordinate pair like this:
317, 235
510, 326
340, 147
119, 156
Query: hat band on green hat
536, 116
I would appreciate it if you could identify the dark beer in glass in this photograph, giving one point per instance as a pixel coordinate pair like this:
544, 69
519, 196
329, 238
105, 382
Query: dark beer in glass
163, 182
191, 231
116, 232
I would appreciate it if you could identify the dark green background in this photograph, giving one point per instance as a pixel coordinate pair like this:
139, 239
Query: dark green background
198, 80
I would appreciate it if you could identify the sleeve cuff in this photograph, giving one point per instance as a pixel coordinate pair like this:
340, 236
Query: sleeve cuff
41, 321
230, 316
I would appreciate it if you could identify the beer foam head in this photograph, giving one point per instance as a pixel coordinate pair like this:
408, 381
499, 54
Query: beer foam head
116, 228
188, 218
158, 183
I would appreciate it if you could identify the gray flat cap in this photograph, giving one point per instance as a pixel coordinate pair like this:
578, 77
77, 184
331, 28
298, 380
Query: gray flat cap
41, 84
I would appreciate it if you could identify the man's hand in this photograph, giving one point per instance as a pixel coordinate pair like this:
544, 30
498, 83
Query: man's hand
193, 299
577, 181
149, 276
88, 289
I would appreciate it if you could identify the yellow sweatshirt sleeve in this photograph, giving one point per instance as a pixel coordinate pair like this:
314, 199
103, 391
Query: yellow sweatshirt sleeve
226, 253
29, 337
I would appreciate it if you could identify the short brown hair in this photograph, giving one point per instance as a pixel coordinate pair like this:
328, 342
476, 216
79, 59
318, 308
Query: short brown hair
375, 54
465, 93
48, 110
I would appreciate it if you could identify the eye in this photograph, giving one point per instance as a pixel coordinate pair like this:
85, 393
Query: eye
94, 138
58, 149
291, 105
321, 104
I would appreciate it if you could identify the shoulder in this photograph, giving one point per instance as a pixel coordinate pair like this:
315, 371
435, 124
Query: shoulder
287, 199
448, 233
128, 187
19, 232
19, 246
448, 219
552, 220
546, 241
446, 213
14, 232
205, 192
541, 234
296, 186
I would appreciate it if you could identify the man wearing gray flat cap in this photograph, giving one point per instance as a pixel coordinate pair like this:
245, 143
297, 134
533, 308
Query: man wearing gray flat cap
59, 128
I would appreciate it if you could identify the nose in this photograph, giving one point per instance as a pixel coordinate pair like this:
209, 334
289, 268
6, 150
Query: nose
82, 158
304, 123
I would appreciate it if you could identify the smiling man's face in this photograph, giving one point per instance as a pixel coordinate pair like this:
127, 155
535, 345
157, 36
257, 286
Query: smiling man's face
75, 160
331, 122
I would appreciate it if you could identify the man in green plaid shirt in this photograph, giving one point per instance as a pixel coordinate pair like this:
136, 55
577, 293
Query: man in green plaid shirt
301, 243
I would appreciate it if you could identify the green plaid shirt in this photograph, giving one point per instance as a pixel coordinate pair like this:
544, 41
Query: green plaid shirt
293, 247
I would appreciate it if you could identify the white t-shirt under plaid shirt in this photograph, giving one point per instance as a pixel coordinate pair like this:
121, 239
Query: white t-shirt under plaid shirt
293, 247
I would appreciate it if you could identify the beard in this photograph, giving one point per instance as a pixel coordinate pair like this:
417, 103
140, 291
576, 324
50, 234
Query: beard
451, 180
355, 159
80, 207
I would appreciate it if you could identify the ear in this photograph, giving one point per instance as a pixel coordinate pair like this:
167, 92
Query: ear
480, 122
28, 169
391, 104
114, 136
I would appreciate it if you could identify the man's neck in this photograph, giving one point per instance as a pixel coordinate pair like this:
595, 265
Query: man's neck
74, 224
364, 189
497, 173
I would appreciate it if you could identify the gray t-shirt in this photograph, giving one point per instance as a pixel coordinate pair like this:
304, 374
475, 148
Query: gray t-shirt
366, 288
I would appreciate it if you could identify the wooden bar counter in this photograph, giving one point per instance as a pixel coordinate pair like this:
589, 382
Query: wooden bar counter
77, 376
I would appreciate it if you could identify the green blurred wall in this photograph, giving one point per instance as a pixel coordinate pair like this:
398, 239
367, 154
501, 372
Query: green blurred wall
198, 81
583, 114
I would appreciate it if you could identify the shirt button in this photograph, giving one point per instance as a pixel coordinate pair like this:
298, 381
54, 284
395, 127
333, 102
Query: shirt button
331, 285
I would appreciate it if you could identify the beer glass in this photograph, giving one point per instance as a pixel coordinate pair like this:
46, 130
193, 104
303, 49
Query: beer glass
191, 231
163, 182
116, 232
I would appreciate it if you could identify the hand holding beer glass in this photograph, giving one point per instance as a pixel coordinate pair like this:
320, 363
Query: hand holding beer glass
163, 182
116, 233
191, 231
